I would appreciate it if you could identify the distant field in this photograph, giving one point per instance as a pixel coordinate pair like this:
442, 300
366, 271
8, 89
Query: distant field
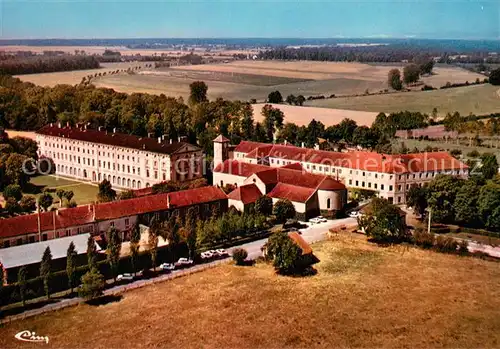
303, 115
363, 296
25, 134
74, 77
479, 99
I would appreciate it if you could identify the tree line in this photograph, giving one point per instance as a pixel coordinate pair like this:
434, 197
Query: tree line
46, 64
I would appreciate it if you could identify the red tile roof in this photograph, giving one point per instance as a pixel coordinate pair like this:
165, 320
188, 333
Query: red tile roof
291, 192
114, 139
299, 178
237, 168
294, 166
246, 193
28, 224
111, 210
299, 241
221, 139
248, 146
362, 160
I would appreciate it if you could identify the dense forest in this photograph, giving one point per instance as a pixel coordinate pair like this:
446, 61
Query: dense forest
375, 54
45, 64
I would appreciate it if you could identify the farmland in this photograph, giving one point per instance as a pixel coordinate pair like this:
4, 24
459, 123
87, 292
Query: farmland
363, 296
479, 100
303, 115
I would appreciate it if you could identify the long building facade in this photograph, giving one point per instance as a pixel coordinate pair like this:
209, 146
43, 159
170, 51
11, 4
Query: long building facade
126, 161
389, 175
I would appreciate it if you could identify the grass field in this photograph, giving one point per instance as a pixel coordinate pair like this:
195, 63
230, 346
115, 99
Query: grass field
363, 296
245, 80
84, 193
479, 99
303, 115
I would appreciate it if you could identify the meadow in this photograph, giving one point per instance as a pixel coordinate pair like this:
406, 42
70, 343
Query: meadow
362, 296
85, 193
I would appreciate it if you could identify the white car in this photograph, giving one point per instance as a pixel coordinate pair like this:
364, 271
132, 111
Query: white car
222, 252
167, 266
125, 277
206, 255
314, 220
184, 262
322, 219
354, 214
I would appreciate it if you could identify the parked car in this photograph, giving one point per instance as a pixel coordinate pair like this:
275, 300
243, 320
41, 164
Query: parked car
354, 214
125, 277
222, 252
167, 266
314, 221
206, 255
322, 219
183, 262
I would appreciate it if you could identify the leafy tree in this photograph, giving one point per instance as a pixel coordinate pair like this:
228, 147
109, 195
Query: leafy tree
198, 92
275, 97
92, 285
45, 201
494, 77
15, 169
134, 247
273, 120
489, 165
60, 193
283, 209
91, 253
284, 253
45, 270
383, 222
417, 198
71, 265
442, 191
264, 205
239, 256
12, 206
113, 250
171, 234
300, 100
127, 194
22, 284
106, 192
394, 79
68, 194
28, 203
13, 191
291, 99
425, 64
189, 230
466, 204
489, 204
153, 243
411, 73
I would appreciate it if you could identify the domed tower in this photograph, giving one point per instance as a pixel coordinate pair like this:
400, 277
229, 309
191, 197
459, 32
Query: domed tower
221, 150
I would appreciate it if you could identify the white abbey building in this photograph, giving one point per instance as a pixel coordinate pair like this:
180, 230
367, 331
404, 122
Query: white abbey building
390, 176
125, 160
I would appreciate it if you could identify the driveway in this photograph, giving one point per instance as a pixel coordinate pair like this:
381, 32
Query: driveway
313, 233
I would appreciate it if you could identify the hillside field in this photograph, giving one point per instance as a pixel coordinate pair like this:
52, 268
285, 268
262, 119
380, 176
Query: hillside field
363, 296
479, 100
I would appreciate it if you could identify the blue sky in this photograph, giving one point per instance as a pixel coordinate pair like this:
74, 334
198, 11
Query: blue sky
208, 18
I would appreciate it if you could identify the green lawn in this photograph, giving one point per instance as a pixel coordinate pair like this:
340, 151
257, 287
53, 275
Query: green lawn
479, 100
84, 193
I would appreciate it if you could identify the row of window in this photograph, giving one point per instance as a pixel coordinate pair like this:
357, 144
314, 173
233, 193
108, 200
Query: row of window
369, 185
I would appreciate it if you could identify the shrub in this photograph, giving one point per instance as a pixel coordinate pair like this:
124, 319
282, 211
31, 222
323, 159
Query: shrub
239, 256
424, 239
92, 285
463, 248
446, 244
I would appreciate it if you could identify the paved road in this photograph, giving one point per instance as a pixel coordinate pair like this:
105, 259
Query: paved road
313, 233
